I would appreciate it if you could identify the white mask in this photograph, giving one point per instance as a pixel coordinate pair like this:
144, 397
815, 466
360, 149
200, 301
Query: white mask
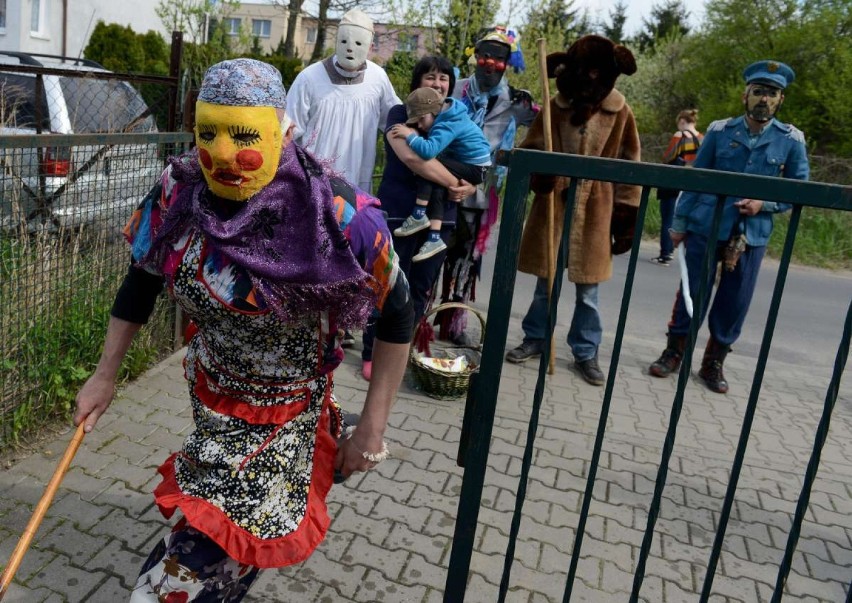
353, 44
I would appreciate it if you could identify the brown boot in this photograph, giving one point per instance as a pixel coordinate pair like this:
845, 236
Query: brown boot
669, 360
711, 366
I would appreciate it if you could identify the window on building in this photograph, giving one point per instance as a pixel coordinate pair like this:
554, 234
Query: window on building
38, 17
311, 35
407, 42
232, 26
375, 46
261, 28
2, 14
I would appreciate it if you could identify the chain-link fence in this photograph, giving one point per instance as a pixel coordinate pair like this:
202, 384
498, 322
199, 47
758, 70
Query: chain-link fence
62, 257
79, 149
824, 168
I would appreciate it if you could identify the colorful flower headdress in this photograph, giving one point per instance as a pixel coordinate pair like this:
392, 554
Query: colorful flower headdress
511, 38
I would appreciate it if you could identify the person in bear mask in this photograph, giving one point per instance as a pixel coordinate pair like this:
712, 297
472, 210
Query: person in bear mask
589, 117
339, 105
753, 143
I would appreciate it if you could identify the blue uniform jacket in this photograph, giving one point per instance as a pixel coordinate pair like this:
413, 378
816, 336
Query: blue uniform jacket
780, 151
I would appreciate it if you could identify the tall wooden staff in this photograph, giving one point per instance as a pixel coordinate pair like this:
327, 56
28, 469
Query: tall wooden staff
548, 146
41, 509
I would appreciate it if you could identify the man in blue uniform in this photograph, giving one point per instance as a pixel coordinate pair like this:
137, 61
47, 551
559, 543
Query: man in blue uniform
754, 143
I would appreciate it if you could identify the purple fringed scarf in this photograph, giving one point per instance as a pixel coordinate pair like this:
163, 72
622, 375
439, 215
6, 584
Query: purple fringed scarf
287, 237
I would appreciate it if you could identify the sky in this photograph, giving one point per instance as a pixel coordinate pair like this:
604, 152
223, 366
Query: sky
598, 10
636, 11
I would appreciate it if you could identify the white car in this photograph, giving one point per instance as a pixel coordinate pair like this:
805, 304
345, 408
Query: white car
57, 187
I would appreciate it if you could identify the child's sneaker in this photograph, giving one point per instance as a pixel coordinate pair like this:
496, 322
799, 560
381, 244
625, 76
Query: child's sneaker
429, 249
411, 226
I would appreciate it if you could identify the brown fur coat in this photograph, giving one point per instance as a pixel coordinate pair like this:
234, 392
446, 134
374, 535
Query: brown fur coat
609, 133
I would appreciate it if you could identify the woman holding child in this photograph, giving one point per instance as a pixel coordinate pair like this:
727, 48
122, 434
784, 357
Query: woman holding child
398, 193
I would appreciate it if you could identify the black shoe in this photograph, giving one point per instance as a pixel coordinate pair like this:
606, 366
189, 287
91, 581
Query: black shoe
590, 370
712, 375
669, 361
663, 260
711, 366
348, 340
525, 351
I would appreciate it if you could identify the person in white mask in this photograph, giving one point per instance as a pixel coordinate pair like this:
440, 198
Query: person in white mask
340, 104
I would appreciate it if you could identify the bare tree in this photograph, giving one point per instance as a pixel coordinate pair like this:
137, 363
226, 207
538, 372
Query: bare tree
322, 26
294, 9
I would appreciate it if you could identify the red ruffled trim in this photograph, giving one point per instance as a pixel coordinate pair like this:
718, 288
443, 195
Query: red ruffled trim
240, 544
227, 404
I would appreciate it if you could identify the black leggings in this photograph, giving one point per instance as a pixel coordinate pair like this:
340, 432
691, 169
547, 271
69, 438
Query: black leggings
436, 194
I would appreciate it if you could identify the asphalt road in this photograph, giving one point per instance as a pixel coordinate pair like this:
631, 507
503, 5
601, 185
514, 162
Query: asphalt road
808, 330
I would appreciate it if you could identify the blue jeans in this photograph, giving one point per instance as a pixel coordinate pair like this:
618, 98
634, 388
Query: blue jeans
586, 330
733, 295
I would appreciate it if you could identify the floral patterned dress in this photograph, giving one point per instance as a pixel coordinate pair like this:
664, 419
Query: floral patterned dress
253, 476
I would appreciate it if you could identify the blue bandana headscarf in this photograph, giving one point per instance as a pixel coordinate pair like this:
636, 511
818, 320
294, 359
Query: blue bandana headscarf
243, 83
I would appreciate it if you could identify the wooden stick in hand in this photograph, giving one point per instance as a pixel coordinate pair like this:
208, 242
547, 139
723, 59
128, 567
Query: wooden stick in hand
40, 510
548, 146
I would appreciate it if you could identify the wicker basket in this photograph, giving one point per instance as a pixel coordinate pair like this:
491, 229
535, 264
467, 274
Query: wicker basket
437, 383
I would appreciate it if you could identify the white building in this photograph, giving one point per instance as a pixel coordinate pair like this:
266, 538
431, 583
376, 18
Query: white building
63, 27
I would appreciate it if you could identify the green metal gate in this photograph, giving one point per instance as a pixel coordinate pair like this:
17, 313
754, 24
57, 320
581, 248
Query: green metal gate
484, 392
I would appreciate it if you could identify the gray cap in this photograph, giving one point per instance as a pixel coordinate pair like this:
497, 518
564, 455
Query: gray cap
243, 83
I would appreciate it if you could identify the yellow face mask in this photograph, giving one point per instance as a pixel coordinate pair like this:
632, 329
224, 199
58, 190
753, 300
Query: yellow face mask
238, 148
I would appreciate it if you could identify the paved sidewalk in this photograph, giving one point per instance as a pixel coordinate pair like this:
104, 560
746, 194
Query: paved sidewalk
392, 528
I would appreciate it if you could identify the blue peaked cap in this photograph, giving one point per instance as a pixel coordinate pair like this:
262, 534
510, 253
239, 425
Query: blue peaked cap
772, 73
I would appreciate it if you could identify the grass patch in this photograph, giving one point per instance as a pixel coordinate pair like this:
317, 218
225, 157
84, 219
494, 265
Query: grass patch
59, 289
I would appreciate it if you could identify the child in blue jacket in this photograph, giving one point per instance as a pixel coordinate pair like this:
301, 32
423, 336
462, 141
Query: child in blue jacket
456, 142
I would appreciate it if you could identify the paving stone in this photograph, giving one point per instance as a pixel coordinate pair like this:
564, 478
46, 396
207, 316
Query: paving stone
419, 571
389, 563
66, 539
75, 583
19, 594
376, 588
493, 542
435, 549
271, 588
826, 571
375, 528
436, 430
87, 486
131, 532
343, 579
111, 589
799, 586
388, 511
33, 562
113, 558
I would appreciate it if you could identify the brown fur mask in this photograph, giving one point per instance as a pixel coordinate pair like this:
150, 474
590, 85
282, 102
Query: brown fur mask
586, 73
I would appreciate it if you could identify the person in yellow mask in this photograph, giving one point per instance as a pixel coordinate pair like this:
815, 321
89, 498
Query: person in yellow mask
272, 259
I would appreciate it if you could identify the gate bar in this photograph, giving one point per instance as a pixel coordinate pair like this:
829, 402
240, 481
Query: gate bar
751, 407
813, 463
607, 399
538, 395
677, 404
476, 457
